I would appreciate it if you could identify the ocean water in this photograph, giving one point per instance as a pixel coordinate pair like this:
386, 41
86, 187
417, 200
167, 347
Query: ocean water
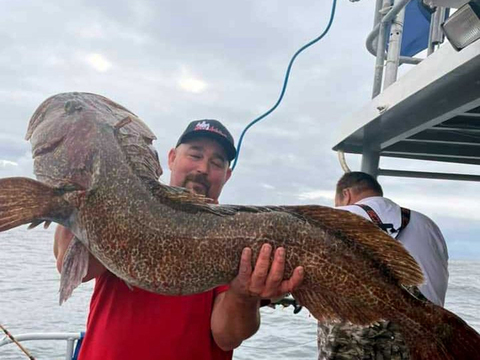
29, 303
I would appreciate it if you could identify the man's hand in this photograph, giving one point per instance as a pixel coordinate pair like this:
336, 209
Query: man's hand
265, 281
62, 239
235, 315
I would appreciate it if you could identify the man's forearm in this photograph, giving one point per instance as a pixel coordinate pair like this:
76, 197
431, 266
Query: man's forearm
62, 239
234, 319
235, 316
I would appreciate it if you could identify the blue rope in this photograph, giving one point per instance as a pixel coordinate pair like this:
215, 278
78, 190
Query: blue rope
287, 74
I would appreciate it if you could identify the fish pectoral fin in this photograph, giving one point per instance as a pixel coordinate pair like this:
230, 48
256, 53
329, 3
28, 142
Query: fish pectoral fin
74, 268
24, 200
332, 307
34, 224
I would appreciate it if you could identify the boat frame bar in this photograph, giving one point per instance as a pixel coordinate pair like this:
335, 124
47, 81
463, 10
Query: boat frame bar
428, 175
70, 338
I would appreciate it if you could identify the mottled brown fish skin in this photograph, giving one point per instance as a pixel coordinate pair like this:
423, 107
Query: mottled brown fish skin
162, 249
66, 137
76, 142
101, 171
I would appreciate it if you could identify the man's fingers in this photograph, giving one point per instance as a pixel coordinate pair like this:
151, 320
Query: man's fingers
275, 275
265, 281
297, 278
260, 271
245, 265
294, 282
240, 284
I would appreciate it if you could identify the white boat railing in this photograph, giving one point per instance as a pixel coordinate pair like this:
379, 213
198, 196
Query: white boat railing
389, 19
70, 338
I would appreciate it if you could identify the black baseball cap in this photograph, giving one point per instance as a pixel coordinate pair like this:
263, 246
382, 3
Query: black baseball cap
213, 129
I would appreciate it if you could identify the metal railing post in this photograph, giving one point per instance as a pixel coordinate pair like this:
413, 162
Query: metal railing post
380, 56
394, 47
70, 349
377, 16
370, 162
436, 35
381, 36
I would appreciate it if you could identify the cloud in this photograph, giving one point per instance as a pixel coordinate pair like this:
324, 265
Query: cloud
268, 186
317, 195
192, 85
98, 62
94, 31
12, 147
6, 163
189, 82
23, 166
459, 207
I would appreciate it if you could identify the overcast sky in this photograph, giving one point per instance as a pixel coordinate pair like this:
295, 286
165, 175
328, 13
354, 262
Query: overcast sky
174, 61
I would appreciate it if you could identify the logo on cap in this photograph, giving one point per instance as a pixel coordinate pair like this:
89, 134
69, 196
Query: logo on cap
205, 126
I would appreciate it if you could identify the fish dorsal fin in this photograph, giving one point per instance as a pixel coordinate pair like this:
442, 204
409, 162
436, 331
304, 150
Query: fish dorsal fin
182, 199
354, 229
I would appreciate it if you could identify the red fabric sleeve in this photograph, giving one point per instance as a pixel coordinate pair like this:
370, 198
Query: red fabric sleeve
220, 289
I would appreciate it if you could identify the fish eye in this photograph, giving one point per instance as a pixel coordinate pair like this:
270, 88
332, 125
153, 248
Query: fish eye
154, 151
148, 141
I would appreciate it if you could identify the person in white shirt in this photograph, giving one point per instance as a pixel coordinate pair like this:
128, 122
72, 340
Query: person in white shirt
360, 193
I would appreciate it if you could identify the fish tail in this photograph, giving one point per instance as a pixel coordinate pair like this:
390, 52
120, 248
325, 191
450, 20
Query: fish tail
451, 338
24, 200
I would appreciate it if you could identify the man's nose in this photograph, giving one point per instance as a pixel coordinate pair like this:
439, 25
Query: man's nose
202, 167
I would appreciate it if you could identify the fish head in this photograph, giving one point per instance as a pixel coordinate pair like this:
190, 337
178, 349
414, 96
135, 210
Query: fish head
68, 130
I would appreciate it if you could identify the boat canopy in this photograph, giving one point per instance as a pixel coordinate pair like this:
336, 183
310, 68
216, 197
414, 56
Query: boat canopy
432, 113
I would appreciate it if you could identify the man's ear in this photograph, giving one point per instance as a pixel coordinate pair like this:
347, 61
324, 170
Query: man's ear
347, 196
171, 157
228, 174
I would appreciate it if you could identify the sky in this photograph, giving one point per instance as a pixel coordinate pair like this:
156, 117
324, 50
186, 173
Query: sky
171, 62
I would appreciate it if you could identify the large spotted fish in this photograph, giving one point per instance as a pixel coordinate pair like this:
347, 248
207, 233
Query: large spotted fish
97, 175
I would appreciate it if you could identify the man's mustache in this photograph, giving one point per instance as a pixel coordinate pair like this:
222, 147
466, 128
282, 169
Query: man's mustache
198, 178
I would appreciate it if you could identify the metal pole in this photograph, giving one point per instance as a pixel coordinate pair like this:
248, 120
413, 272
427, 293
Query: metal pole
394, 47
430, 48
428, 175
380, 56
392, 12
436, 37
370, 161
70, 349
372, 40
371, 158
377, 16
395, 10
410, 60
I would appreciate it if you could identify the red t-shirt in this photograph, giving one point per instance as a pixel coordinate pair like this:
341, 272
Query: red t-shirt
136, 324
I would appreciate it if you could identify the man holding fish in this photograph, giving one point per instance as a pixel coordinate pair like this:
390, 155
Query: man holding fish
97, 175
128, 323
